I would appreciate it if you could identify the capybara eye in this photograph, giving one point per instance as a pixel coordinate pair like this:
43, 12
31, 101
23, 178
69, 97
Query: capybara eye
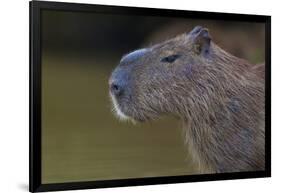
170, 58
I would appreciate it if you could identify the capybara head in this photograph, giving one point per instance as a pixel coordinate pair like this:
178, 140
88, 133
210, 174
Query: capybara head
170, 77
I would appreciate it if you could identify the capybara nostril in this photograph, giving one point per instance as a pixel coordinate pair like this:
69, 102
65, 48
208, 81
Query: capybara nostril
116, 89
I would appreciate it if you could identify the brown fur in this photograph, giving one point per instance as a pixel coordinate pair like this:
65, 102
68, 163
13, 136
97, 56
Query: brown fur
218, 97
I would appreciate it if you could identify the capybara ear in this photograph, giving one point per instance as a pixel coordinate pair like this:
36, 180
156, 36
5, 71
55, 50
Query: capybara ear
201, 40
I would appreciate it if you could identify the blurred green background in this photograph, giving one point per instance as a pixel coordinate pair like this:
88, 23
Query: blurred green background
81, 138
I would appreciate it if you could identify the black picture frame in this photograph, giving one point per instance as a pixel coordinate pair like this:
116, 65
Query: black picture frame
35, 184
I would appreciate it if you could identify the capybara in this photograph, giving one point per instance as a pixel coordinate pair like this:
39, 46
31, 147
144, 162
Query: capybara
218, 97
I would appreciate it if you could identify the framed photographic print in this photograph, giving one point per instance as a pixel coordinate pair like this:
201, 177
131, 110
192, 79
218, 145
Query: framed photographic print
124, 96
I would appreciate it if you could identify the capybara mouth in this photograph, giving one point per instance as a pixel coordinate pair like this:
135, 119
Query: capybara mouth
117, 110
123, 111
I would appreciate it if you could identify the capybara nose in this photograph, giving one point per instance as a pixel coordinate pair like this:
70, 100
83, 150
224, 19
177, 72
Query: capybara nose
116, 89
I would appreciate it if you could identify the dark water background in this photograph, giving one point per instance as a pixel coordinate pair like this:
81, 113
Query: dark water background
81, 138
